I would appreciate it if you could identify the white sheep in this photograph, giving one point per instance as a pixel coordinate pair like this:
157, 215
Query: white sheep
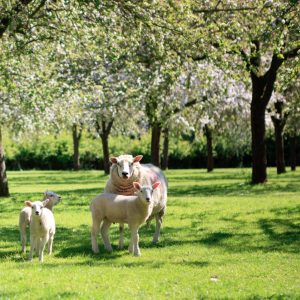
42, 228
124, 171
109, 208
25, 215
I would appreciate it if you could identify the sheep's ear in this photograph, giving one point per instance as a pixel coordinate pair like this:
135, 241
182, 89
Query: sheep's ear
137, 186
45, 202
28, 203
137, 158
113, 160
156, 185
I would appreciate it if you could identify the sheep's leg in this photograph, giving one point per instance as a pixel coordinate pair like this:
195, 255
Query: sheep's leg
94, 233
135, 241
159, 219
32, 247
50, 243
23, 236
104, 233
121, 238
41, 248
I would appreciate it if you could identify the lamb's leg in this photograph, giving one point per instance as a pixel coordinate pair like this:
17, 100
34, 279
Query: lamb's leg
94, 233
159, 219
121, 238
32, 245
104, 233
41, 248
23, 236
50, 243
135, 241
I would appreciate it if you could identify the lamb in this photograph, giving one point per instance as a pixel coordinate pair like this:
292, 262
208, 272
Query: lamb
25, 215
109, 208
42, 228
124, 171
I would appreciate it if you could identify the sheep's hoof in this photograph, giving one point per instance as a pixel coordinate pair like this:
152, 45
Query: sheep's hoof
155, 242
137, 254
121, 246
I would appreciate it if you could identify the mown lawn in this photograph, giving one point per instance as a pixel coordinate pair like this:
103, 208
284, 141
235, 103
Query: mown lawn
222, 239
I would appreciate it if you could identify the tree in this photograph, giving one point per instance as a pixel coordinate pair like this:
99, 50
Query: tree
279, 117
264, 43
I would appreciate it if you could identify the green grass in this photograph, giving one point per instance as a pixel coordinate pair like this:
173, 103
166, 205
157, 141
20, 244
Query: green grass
217, 226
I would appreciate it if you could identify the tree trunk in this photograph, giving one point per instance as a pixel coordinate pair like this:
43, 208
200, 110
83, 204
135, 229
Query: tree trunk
293, 153
258, 131
262, 89
76, 141
104, 139
280, 163
155, 144
165, 160
103, 128
4, 192
209, 145
279, 121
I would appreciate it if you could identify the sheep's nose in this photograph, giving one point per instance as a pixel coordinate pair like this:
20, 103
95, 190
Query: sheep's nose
148, 199
124, 173
37, 213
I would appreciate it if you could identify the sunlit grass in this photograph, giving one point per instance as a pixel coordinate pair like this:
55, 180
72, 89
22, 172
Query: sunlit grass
222, 238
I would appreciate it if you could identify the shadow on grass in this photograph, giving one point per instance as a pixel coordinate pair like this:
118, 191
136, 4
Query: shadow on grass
235, 189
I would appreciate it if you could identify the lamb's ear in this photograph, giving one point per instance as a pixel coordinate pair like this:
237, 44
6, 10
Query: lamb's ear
28, 203
137, 186
45, 202
137, 158
156, 185
113, 160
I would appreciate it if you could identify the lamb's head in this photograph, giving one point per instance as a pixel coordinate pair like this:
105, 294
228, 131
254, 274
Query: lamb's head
125, 164
37, 206
53, 197
145, 192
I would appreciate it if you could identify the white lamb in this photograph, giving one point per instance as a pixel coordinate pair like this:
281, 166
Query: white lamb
42, 228
109, 208
124, 171
25, 215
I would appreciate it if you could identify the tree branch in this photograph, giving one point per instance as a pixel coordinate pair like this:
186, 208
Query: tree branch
292, 53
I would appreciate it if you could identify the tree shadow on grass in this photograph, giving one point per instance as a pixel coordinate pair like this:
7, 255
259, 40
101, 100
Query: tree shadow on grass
234, 189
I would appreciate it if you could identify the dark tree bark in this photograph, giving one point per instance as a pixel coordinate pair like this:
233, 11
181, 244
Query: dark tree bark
165, 160
293, 153
76, 133
262, 89
155, 143
4, 192
279, 122
209, 146
103, 128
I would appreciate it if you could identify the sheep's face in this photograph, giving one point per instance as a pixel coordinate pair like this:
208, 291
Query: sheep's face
37, 206
53, 197
125, 164
146, 191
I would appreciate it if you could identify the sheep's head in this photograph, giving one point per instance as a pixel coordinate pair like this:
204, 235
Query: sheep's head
53, 197
37, 206
146, 191
125, 164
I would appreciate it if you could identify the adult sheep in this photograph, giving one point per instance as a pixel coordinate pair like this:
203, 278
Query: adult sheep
125, 170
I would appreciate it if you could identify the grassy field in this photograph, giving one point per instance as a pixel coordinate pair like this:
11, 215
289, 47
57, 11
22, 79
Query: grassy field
222, 239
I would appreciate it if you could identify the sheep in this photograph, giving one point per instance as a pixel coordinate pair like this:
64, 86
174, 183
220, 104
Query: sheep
109, 208
25, 215
126, 169
42, 228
